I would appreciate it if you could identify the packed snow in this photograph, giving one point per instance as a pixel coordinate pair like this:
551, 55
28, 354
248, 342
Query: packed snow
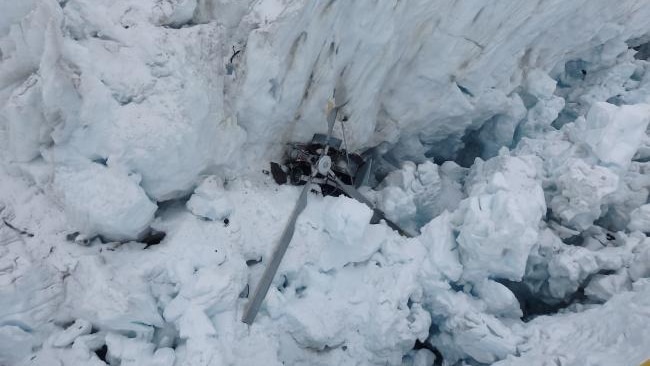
137, 212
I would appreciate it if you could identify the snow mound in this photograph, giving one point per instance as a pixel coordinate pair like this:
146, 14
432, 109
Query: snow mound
91, 203
210, 200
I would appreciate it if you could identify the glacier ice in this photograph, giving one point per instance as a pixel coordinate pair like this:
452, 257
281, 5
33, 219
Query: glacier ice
512, 136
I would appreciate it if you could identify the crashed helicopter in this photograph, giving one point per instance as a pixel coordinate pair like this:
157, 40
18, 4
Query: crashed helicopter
320, 163
350, 168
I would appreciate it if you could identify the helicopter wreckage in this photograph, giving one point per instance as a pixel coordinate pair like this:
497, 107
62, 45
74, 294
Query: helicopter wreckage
324, 164
350, 168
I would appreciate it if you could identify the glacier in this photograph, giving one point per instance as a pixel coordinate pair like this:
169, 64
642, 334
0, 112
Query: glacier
512, 136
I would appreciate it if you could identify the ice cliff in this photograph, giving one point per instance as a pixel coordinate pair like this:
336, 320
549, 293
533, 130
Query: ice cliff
512, 135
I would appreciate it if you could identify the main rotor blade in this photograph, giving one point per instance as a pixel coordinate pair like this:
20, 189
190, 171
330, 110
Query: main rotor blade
340, 94
331, 119
340, 99
352, 192
253, 306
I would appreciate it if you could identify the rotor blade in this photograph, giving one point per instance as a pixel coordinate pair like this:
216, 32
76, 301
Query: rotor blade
340, 99
331, 119
254, 304
353, 193
340, 94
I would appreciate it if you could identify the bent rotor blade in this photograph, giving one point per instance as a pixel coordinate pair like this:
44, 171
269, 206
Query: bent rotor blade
263, 286
340, 99
331, 119
353, 193
340, 94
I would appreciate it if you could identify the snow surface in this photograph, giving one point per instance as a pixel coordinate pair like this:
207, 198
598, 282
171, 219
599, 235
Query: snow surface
511, 135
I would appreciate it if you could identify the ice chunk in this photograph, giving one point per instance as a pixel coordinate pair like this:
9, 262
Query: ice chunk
78, 328
25, 122
103, 201
557, 270
602, 287
174, 12
540, 117
211, 290
98, 294
500, 218
499, 130
467, 331
90, 342
31, 292
439, 239
424, 357
640, 219
612, 334
640, 266
616, 133
354, 309
210, 201
495, 228
592, 83
399, 206
569, 270
415, 194
500, 301
129, 352
539, 84
346, 222
582, 190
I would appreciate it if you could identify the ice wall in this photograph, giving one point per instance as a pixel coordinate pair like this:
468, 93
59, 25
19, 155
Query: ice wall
430, 71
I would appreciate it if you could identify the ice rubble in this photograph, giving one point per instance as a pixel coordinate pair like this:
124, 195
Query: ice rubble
120, 116
592, 337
